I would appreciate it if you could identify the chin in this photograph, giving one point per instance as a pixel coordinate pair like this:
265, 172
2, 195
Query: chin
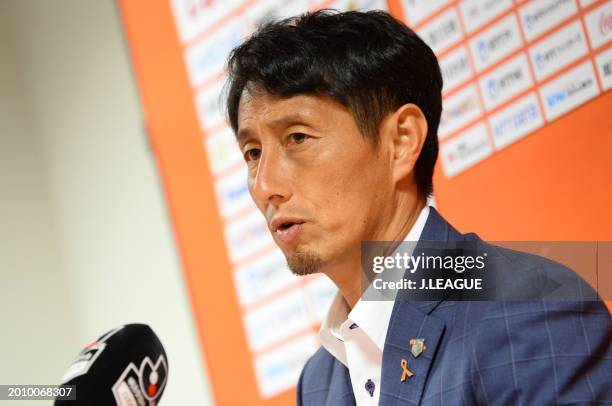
304, 262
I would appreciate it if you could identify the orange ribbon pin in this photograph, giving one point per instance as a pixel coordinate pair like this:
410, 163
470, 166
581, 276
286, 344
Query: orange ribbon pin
406, 373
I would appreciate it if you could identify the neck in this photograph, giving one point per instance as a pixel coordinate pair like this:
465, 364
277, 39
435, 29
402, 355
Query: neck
347, 275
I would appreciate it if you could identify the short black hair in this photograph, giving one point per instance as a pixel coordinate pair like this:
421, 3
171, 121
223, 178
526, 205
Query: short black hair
369, 62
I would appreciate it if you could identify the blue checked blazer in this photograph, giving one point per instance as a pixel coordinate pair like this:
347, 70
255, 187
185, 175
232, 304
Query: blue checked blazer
483, 352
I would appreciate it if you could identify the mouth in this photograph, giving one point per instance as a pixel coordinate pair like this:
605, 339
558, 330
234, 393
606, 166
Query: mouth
287, 230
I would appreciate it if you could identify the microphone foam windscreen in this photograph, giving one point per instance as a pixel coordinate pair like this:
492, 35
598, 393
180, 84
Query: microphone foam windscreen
126, 366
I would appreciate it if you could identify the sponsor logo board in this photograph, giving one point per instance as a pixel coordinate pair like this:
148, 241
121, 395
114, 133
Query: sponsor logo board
558, 50
506, 81
209, 105
459, 110
222, 150
603, 61
496, 42
247, 235
276, 320
541, 15
279, 369
569, 90
516, 121
192, 17
455, 67
206, 58
362, 5
477, 13
443, 31
599, 24
465, 150
262, 277
418, 10
233, 193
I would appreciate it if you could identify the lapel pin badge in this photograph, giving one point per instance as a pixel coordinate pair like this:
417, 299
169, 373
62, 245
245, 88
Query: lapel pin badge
417, 346
406, 373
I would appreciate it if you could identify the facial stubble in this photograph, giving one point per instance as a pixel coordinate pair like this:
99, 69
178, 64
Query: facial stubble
304, 263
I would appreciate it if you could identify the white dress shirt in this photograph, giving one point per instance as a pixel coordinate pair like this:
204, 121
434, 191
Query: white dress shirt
357, 337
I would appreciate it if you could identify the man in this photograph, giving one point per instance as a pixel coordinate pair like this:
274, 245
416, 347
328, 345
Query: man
337, 115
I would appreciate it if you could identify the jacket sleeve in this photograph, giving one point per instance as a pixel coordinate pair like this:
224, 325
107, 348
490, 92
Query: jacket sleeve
542, 353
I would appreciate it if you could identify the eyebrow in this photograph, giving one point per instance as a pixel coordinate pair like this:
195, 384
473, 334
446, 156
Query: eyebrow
242, 134
285, 121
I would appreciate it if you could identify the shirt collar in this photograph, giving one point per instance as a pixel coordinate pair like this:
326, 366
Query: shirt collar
371, 316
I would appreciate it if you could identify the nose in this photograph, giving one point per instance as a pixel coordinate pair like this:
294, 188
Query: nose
270, 183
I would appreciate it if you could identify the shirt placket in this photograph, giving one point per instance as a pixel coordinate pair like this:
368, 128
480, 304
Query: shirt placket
362, 366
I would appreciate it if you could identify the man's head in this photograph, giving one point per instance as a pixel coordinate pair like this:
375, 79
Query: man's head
337, 117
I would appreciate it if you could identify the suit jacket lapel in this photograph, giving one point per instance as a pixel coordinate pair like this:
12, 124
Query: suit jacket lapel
408, 322
412, 319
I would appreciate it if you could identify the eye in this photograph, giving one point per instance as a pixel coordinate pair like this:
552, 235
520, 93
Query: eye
298, 138
252, 154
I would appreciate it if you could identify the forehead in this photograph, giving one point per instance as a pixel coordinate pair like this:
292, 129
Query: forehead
258, 107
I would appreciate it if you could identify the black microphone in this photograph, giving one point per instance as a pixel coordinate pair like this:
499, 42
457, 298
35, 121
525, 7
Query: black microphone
127, 366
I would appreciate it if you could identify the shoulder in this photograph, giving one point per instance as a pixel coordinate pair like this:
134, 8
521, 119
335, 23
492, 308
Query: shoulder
513, 272
546, 351
550, 342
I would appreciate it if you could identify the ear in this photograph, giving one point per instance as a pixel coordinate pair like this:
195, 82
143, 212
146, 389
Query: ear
408, 130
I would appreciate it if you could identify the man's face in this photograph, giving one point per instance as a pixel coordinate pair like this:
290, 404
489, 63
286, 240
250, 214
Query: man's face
321, 185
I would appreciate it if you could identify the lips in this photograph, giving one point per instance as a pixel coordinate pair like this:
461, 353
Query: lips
286, 229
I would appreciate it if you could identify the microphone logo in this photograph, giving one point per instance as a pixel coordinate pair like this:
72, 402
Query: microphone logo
141, 385
87, 357
153, 377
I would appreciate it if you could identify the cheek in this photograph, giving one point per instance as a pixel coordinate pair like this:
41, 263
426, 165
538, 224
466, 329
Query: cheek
341, 186
345, 199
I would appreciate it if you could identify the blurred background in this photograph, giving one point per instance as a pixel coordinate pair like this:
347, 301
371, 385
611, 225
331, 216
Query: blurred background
124, 198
